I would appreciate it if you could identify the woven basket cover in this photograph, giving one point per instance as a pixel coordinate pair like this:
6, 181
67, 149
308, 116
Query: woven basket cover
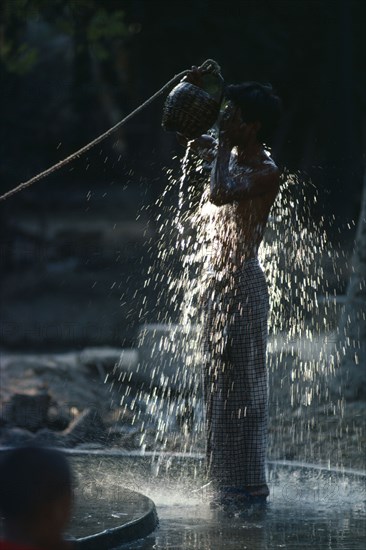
189, 110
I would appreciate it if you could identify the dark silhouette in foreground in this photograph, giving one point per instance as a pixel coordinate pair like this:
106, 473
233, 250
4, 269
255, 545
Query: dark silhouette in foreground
35, 499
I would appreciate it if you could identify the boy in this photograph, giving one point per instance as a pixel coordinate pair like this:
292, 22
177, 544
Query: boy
244, 184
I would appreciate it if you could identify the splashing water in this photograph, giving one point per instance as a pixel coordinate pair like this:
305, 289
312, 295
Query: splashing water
310, 507
301, 349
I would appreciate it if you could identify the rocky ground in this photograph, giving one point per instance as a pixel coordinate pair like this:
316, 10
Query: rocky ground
88, 399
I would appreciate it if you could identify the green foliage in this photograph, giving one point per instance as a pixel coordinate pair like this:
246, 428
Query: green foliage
98, 25
21, 59
104, 27
13, 8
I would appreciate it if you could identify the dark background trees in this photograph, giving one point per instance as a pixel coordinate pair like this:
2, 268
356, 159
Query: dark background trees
71, 68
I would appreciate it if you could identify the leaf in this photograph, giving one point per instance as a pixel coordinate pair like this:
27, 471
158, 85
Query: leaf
107, 25
22, 60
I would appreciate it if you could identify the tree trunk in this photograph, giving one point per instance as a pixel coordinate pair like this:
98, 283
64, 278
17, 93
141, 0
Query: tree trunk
350, 379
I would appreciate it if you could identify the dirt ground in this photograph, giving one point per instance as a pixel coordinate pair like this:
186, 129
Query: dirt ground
322, 430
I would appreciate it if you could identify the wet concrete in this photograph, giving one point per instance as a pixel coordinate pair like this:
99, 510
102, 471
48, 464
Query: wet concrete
310, 507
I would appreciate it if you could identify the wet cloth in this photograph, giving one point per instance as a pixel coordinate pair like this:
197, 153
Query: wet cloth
235, 377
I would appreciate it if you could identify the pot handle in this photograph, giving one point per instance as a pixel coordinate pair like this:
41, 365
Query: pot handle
211, 67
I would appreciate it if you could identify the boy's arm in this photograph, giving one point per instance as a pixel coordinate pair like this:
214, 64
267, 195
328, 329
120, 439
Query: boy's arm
204, 146
226, 188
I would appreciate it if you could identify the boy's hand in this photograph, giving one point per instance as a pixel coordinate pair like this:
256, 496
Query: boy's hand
229, 123
205, 142
194, 76
182, 140
204, 146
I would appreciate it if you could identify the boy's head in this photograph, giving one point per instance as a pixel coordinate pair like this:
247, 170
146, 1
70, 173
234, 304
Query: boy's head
259, 106
36, 493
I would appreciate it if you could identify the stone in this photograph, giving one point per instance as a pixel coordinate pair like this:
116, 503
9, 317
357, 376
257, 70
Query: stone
28, 411
58, 419
108, 362
48, 438
88, 427
106, 357
15, 436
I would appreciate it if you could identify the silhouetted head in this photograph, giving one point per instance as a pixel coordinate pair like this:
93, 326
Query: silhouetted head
259, 106
36, 493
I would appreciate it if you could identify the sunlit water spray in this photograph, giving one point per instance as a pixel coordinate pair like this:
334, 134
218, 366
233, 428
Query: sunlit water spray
320, 502
301, 351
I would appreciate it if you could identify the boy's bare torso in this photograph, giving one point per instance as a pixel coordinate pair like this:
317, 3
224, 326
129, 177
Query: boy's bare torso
240, 225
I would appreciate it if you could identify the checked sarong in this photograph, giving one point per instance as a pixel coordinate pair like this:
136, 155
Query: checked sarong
235, 377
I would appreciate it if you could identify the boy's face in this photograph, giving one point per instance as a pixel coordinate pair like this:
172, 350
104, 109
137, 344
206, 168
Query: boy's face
232, 123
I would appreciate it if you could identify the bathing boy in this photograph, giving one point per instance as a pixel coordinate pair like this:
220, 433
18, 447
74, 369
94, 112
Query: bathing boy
244, 183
